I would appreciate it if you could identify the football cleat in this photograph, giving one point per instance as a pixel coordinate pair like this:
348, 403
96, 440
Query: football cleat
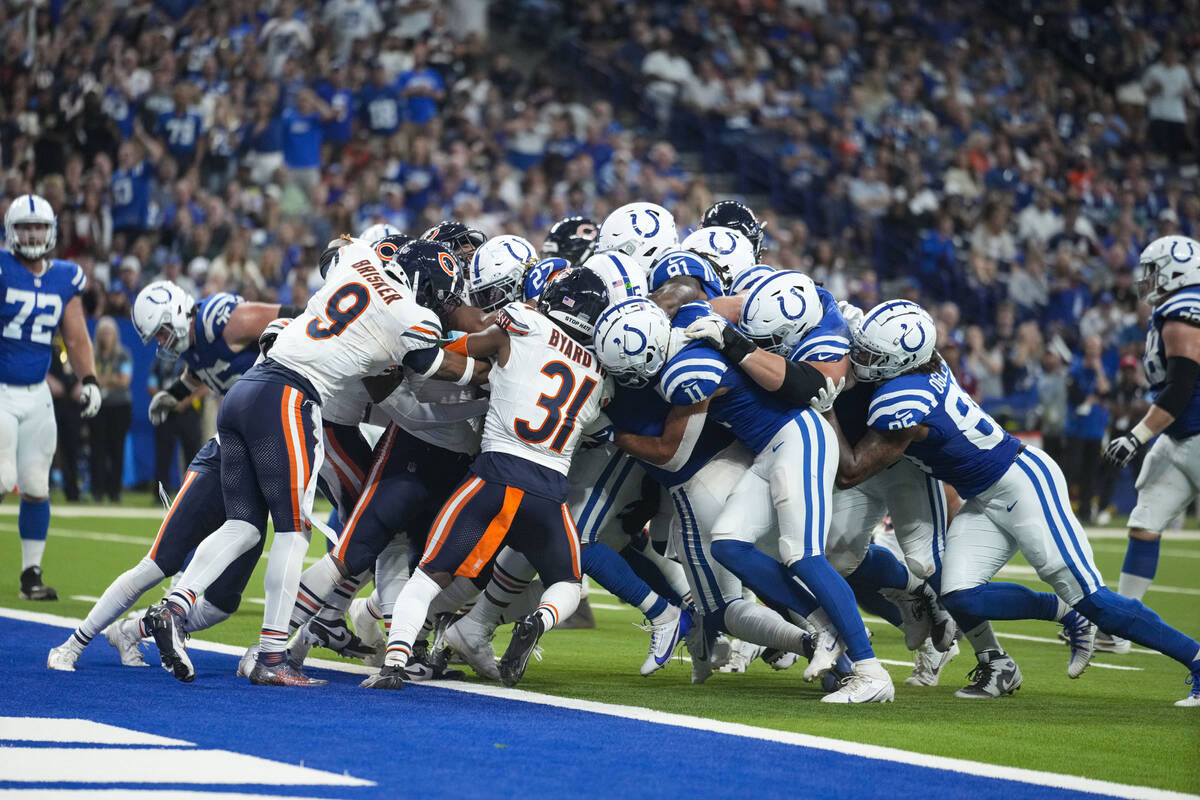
779, 659
167, 631
32, 587
526, 633
335, 635
943, 628
473, 642
840, 671
63, 657
582, 619
1108, 643
418, 671
915, 618
869, 682
743, 653
828, 647
1191, 701
300, 644
929, 663
390, 676
366, 627
1081, 636
284, 673
663, 638
127, 638
995, 675
247, 661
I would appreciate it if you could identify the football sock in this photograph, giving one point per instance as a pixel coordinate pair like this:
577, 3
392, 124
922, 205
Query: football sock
648, 571
33, 524
460, 592
408, 615
1133, 620
316, 583
335, 607
511, 576
752, 622
876, 603
672, 570
204, 615
1005, 601
765, 576
1137, 573
281, 582
213, 555
118, 598
981, 636
836, 597
879, 569
559, 602
373, 605
606, 567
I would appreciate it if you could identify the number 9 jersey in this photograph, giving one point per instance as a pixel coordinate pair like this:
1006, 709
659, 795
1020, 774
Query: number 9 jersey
31, 307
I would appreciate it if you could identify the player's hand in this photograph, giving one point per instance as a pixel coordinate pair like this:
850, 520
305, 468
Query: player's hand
89, 397
851, 313
1121, 450
266, 340
823, 400
161, 406
600, 432
717, 331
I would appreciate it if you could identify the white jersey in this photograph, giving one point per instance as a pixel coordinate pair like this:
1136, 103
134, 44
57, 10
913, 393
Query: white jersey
440, 413
360, 323
548, 391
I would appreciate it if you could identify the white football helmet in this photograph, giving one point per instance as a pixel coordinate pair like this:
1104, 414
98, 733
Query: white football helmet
1167, 264
377, 231
497, 271
164, 307
30, 209
892, 338
747, 279
642, 231
730, 250
780, 311
631, 340
623, 277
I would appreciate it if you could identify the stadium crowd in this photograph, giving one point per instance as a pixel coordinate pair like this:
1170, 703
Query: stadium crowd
1005, 167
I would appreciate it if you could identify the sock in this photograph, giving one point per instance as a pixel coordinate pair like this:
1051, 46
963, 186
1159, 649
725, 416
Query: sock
1133, 620
33, 523
1137, 573
875, 603
752, 622
317, 583
373, 605
213, 555
559, 601
408, 614
880, 570
118, 598
1005, 601
606, 567
982, 637
672, 571
335, 607
836, 597
511, 575
765, 576
281, 582
460, 592
204, 615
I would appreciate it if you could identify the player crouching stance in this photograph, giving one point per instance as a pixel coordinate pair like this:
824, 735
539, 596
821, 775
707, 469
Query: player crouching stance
1015, 498
547, 386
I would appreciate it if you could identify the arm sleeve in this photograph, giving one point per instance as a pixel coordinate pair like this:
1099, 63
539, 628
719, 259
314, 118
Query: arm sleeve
424, 362
1182, 374
899, 407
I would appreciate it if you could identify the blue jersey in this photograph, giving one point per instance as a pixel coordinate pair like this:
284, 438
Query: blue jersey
682, 263
182, 131
830, 340
965, 447
209, 358
131, 196
537, 276
31, 308
644, 412
1183, 306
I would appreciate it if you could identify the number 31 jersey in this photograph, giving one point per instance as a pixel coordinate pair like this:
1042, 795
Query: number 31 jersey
31, 306
547, 392
965, 447
360, 323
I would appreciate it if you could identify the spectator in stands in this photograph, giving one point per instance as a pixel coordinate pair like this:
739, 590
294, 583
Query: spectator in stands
1052, 393
1169, 87
1088, 390
114, 370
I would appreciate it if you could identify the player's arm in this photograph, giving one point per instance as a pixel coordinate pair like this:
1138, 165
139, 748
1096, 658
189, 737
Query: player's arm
1181, 342
671, 449
874, 453
471, 319
729, 307
175, 396
677, 292
79, 354
247, 322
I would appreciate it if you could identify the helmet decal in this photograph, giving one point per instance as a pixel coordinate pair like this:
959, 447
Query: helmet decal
783, 304
633, 217
641, 345
1185, 259
446, 262
712, 241
908, 331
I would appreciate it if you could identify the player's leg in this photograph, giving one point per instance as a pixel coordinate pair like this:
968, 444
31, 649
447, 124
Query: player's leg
36, 439
471, 636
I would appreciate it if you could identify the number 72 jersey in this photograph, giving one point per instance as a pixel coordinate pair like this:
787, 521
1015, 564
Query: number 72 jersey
965, 447
31, 307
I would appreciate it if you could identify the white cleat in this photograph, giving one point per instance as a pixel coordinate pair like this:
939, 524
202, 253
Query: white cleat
929, 663
828, 647
869, 683
1081, 637
915, 619
995, 675
247, 661
1193, 699
366, 627
63, 657
743, 653
125, 636
779, 660
1107, 643
302, 641
473, 642
664, 636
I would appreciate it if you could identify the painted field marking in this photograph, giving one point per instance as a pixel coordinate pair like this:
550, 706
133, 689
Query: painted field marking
1029, 574
138, 794
43, 729
877, 752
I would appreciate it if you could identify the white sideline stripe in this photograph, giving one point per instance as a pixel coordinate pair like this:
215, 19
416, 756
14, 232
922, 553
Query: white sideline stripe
137, 765
1026, 573
137, 794
1104, 547
44, 729
94, 536
878, 752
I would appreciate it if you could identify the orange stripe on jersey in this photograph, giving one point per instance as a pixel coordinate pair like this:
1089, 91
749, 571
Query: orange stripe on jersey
187, 481
381, 456
493, 537
573, 536
347, 461
459, 345
448, 514
305, 464
425, 331
289, 440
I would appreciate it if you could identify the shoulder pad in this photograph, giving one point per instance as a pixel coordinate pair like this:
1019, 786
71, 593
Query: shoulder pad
693, 375
517, 319
901, 403
1184, 305
214, 313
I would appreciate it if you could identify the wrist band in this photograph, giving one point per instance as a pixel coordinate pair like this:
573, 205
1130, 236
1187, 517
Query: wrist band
468, 372
1142, 433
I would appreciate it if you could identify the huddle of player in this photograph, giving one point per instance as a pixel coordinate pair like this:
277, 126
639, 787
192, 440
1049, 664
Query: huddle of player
541, 413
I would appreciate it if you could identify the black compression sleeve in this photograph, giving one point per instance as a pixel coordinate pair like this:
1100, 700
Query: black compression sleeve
1182, 374
178, 390
290, 312
801, 382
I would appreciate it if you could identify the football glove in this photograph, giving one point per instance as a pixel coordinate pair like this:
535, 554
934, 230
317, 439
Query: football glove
717, 331
161, 406
89, 397
1122, 449
823, 400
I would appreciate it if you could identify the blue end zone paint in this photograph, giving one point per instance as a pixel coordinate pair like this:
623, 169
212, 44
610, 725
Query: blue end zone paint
437, 742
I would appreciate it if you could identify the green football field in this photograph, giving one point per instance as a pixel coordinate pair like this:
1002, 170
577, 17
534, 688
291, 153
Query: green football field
1115, 723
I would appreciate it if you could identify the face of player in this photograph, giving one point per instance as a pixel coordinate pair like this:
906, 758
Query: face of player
32, 234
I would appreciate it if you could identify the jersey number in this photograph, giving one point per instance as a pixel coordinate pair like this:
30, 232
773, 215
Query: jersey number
340, 315
970, 420
49, 307
555, 419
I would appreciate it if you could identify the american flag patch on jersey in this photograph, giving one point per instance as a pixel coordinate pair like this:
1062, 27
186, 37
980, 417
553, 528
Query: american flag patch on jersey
568, 302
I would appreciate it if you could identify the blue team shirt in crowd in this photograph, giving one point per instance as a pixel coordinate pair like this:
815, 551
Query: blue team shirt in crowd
31, 308
340, 128
965, 447
1184, 306
182, 132
131, 196
380, 109
421, 109
302, 137
209, 358
1093, 421
118, 108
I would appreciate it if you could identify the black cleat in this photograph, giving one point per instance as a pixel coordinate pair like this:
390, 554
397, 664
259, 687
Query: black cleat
526, 633
32, 587
169, 637
389, 677
431, 665
337, 636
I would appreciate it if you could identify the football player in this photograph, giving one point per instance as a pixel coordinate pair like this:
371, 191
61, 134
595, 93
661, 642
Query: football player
38, 295
572, 239
737, 216
642, 231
